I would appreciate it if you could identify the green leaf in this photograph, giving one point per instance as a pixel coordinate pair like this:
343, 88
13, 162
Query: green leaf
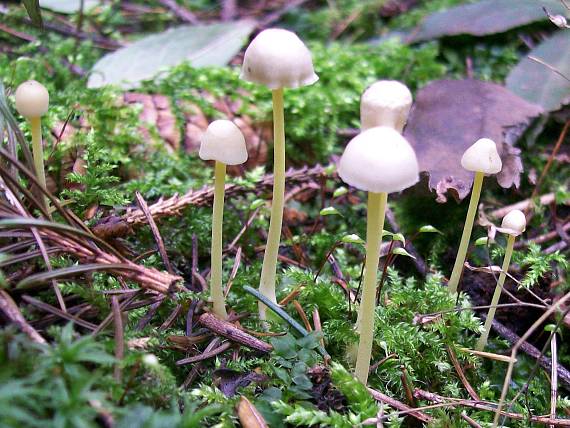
329, 211
256, 204
399, 237
537, 82
402, 252
428, 228
68, 6
340, 192
33, 9
484, 17
482, 241
201, 45
352, 239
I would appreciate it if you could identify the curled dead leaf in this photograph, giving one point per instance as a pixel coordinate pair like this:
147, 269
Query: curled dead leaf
249, 416
450, 115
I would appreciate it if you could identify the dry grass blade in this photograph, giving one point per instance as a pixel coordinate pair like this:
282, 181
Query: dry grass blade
119, 337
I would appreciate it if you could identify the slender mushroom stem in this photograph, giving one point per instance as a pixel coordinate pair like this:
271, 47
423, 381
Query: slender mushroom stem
466, 236
216, 290
374, 227
37, 149
268, 270
482, 342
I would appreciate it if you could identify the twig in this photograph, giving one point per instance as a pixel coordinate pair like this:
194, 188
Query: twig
522, 206
155, 232
229, 10
113, 226
551, 157
484, 405
12, 312
276, 16
378, 396
302, 315
119, 337
231, 332
553, 378
527, 348
472, 393
181, 12
194, 372
550, 67
205, 355
53, 310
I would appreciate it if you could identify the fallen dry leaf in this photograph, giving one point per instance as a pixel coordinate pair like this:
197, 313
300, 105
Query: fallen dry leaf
249, 416
450, 115
156, 111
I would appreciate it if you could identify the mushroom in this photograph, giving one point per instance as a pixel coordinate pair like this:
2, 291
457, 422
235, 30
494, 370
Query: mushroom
277, 59
224, 143
32, 102
514, 223
481, 158
385, 103
379, 161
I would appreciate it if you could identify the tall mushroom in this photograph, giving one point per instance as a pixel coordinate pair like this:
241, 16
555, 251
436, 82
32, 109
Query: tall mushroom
385, 103
379, 161
224, 143
481, 158
514, 223
32, 102
277, 59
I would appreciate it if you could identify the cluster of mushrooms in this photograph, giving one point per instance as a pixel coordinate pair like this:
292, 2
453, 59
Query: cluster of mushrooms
379, 161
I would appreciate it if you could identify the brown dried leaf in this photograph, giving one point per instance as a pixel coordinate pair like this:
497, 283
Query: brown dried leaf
156, 111
249, 416
450, 115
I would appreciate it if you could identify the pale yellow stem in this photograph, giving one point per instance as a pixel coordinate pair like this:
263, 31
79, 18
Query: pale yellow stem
482, 342
269, 268
37, 149
374, 226
466, 236
216, 290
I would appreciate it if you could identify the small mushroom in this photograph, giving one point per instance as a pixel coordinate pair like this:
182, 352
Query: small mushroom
481, 158
224, 143
385, 103
379, 161
277, 59
32, 102
514, 223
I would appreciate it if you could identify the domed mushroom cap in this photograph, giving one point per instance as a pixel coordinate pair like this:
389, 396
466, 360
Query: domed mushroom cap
277, 59
32, 99
482, 157
379, 160
514, 223
385, 103
223, 142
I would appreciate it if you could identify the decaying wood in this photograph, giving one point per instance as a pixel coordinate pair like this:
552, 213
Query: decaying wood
231, 332
117, 226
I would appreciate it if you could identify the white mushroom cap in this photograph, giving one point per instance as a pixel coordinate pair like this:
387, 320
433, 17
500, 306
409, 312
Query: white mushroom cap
379, 160
223, 142
482, 157
277, 59
32, 99
514, 223
385, 103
